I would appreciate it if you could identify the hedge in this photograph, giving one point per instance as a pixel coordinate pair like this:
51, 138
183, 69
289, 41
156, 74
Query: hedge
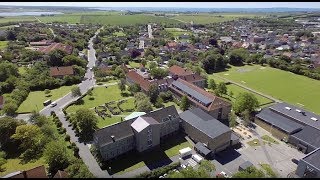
159, 171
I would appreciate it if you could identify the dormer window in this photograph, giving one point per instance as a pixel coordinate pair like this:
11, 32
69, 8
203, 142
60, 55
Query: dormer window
314, 119
298, 110
288, 108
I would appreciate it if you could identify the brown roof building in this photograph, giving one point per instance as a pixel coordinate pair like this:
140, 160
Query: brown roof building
47, 49
61, 174
62, 71
37, 172
179, 71
213, 105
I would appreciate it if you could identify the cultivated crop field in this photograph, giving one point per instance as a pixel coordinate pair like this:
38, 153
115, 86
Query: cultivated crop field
125, 19
17, 19
286, 86
206, 18
69, 18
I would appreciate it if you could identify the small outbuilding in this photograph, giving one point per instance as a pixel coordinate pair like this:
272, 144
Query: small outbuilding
245, 165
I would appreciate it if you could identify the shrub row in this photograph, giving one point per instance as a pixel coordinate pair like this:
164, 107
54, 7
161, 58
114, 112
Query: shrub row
159, 171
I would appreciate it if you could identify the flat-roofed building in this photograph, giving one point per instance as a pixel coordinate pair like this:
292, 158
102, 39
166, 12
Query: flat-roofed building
309, 166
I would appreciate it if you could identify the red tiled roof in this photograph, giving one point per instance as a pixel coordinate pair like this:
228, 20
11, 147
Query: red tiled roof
177, 70
134, 76
37, 172
217, 102
61, 174
192, 78
54, 46
61, 71
172, 44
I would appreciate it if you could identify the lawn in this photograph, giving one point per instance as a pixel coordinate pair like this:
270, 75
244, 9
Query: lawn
3, 44
255, 142
286, 86
134, 160
101, 96
125, 19
134, 64
107, 121
120, 33
69, 18
205, 18
36, 98
15, 164
6, 27
269, 139
167, 104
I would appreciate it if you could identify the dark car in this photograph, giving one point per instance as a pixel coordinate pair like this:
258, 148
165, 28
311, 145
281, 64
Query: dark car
295, 161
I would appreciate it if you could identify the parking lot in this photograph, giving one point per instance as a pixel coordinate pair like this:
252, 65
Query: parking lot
281, 156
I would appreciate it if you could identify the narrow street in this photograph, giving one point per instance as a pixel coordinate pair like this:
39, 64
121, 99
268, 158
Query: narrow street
85, 85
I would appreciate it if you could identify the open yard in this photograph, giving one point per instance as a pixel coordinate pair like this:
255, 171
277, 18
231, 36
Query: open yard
205, 18
120, 33
286, 86
3, 44
177, 31
125, 19
134, 64
36, 98
101, 96
269, 139
134, 160
15, 164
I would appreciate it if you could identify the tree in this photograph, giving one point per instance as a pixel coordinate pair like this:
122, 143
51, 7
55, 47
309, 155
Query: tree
139, 97
222, 88
246, 117
250, 172
73, 60
29, 135
172, 62
189, 172
75, 91
184, 105
207, 165
245, 101
238, 56
159, 102
122, 85
37, 119
55, 57
11, 36
153, 93
153, 65
212, 84
144, 105
232, 119
159, 73
8, 127
86, 122
10, 108
2, 161
77, 169
56, 156
134, 88
144, 62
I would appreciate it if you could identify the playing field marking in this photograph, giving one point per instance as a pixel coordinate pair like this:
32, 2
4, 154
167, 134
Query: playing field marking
226, 74
300, 104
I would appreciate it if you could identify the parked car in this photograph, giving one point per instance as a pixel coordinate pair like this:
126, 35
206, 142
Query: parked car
161, 177
53, 104
224, 174
183, 166
165, 175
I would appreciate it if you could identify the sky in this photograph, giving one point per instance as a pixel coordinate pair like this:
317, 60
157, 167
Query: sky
173, 4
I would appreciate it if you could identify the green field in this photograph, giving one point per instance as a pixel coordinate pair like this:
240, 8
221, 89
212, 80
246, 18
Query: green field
282, 85
101, 96
17, 19
205, 18
125, 19
119, 34
6, 27
269, 139
36, 98
69, 18
177, 31
3, 44
134, 64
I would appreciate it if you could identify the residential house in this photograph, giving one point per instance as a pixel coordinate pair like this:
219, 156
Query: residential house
198, 97
37, 172
54, 46
60, 72
187, 75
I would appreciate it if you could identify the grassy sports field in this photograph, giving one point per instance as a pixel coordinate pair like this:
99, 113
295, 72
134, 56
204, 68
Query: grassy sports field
286, 86
177, 31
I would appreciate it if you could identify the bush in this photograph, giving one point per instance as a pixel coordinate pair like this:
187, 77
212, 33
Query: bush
91, 98
52, 113
67, 138
159, 171
59, 124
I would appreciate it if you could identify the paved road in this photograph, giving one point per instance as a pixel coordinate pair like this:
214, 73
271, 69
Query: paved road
249, 89
85, 85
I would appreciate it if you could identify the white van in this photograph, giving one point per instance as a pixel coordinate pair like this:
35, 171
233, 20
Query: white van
197, 158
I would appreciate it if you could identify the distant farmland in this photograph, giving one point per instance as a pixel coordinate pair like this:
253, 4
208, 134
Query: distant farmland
17, 19
213, 18
125, 19
69, 18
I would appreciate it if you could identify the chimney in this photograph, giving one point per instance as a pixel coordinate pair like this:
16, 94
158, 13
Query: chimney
112, 137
